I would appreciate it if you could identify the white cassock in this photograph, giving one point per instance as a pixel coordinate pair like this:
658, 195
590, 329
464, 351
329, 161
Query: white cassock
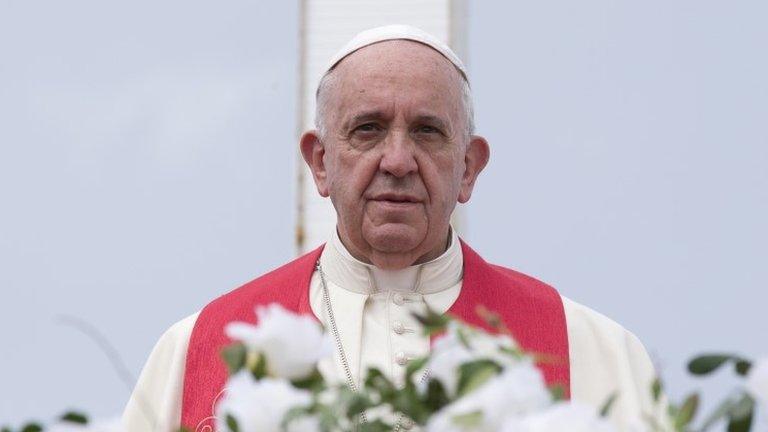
373, 310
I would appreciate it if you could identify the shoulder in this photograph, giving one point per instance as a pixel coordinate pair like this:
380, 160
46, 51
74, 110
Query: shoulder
176, 337
587, 324
160, 382
503, 281
607, 359
285, 284
603, 350
523, 279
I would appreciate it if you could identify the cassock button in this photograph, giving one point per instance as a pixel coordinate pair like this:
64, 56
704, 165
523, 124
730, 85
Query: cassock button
398, 327
398, 299
401, 358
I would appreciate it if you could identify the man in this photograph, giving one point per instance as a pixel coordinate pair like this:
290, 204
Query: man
395, 151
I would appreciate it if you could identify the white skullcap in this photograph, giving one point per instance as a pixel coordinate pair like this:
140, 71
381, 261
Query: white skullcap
395, 32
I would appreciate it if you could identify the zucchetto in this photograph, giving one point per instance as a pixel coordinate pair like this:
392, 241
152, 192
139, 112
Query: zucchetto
396, 32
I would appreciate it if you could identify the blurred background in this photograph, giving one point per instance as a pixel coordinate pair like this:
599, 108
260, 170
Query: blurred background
148, 164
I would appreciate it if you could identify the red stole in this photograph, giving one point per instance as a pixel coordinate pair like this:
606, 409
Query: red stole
532, 310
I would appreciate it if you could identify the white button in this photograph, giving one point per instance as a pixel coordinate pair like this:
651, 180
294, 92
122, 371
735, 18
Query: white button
398, 327
406, 423
398, 299
401, 358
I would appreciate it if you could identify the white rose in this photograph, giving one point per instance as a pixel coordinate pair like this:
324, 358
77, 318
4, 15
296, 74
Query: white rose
291, 343
261, 406
519, 390
560, 417
449, 352
757, 381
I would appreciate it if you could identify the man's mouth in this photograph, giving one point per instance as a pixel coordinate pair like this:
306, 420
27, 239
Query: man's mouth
394, 198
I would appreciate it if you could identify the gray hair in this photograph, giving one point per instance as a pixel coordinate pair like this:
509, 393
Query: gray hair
328, 82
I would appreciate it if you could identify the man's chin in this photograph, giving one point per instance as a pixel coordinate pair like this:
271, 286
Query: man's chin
394, 246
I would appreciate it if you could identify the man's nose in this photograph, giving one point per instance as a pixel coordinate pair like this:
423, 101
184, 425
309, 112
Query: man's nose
398, 159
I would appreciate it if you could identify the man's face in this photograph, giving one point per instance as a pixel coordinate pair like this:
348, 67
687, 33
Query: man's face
394, 158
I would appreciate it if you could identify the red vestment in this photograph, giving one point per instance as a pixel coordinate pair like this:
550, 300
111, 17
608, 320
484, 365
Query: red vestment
531, 310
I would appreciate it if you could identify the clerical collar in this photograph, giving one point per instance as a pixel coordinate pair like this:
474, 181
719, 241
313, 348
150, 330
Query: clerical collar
349, 273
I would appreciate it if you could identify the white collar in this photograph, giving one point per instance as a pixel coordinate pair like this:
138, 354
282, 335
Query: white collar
437, 275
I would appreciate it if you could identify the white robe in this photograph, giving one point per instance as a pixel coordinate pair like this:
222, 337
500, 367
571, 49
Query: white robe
373, 309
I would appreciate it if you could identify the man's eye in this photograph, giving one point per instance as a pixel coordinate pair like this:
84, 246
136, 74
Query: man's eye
427, 130
367, 127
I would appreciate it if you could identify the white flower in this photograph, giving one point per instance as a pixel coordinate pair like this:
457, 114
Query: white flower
519, 390
261, 406
560, 417
291, 343
757, 381
451, 350
448, 353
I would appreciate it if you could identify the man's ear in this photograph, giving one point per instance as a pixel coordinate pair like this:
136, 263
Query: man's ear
313, 151
476, 158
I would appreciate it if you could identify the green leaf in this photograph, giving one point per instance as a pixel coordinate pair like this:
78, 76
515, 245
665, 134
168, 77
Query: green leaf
357, 404
687, 411
232, 424
294, 414
656, 389
461, 333
376, 381
410, 404
743, 424
719, 413
414, 366
608, 404
706, 364
470, 420
492, 319
738, 412
375, 426
5, 429
432, 322
557, 392
259, 369
32, 427
437, 397
474, 374
743, 407
742, 367
328, 418
75, 417
234, 356
314, 382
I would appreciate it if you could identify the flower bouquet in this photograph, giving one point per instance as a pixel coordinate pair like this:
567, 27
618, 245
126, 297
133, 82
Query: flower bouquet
471, 381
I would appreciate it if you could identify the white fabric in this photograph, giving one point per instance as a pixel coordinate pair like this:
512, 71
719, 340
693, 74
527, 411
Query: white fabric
605, 358
373, 308
395, 32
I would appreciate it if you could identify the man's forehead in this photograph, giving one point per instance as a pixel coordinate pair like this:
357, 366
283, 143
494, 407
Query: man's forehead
423, 107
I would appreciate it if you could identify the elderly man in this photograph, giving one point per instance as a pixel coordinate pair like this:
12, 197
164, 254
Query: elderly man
394, 150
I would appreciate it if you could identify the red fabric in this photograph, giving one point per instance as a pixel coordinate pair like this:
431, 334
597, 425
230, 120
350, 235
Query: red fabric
205, 373
532, 310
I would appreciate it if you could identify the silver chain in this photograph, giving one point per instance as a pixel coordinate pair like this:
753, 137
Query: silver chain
337, 336
342, 353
